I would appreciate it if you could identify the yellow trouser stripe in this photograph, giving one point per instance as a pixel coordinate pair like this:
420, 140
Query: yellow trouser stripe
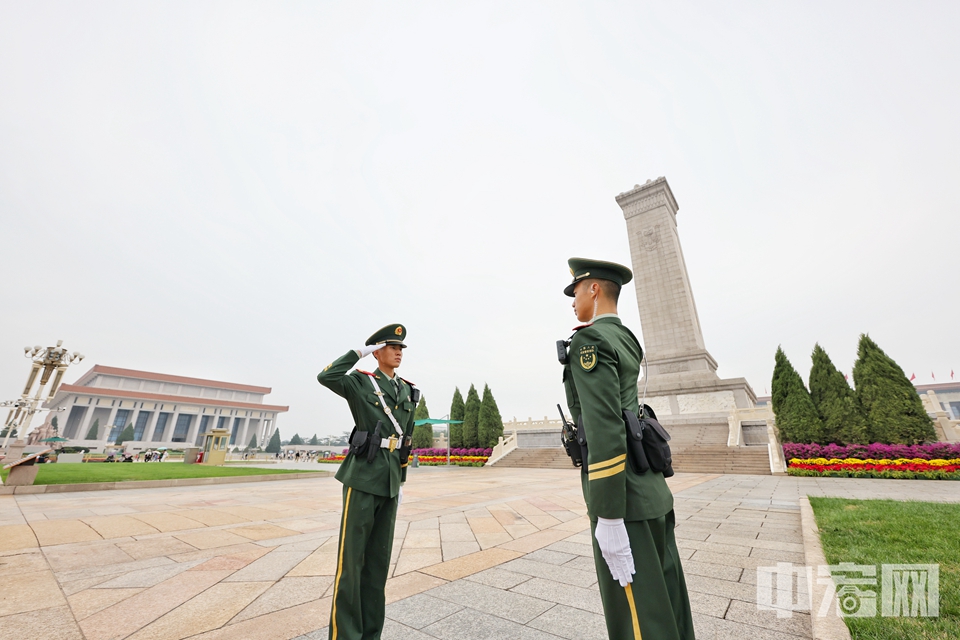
633, 613
336, 581
606, 473
596, 466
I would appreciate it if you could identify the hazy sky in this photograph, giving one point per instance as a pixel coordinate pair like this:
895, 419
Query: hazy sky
245, 191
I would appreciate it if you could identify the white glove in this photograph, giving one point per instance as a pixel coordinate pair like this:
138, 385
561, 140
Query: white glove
400, 497
615, 547
365, 351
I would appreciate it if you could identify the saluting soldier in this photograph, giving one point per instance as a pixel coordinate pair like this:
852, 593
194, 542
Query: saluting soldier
382, 404
631, 514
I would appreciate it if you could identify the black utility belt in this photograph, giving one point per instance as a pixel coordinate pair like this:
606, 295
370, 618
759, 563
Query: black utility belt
366, 444
647, 443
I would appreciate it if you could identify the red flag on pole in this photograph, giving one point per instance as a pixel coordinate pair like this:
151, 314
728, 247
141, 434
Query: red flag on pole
951, 374
913, 377
846, 378
933, 376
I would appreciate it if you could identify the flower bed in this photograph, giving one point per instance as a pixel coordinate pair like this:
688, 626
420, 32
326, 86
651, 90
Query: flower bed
453, 452
937, 461
434, 457
459, 457
935, 451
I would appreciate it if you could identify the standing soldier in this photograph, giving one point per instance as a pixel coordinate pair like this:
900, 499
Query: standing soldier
382, 405
631, 513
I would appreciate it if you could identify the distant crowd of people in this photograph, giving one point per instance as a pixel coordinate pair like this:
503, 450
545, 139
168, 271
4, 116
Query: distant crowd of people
152, 456
297, 456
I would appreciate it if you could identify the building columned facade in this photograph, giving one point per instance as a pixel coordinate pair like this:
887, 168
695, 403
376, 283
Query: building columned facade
165, 410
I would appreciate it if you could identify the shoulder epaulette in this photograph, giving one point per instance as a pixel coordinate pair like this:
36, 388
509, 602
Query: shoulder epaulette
583, 326
412, 384
366, 373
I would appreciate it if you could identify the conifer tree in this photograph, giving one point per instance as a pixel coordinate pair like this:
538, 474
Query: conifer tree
296, 439
92, 433
274, 445
422, 434
471, 416
839, 409
126, 435
490, 424
456, 413
891, 404
253, 442
55, 423
313, 440
796, 415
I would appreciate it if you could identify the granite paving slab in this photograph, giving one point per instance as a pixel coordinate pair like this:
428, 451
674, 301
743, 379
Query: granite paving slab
480, 553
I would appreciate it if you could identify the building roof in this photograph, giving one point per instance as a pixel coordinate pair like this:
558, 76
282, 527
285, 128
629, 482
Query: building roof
163, 377
69, 389
940, 387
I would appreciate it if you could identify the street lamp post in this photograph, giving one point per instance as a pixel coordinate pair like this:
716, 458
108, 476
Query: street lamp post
446, 417
46, 362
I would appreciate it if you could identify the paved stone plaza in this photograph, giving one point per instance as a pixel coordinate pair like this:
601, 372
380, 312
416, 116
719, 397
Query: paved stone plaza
480, 553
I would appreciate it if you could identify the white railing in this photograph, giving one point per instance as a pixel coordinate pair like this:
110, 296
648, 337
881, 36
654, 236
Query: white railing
530, 423
738, 416
502, 448
777, 463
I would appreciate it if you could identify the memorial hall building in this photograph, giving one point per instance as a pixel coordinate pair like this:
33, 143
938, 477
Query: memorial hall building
165, 410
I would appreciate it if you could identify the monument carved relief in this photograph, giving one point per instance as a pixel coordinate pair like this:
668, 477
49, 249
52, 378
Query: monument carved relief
650, 237
650, 202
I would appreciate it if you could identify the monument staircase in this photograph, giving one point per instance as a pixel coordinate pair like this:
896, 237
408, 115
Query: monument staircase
540, 458
715, 458
702, 448
689, 458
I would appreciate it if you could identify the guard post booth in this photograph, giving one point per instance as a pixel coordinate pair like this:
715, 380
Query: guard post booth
214, 447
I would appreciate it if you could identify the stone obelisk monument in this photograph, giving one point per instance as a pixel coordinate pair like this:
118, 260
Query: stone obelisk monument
682, 384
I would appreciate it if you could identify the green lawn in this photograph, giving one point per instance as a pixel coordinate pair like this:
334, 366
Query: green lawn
880, 532
122, 471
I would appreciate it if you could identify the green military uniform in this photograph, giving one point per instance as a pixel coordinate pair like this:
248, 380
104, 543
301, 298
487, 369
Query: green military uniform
600, 380
370, 490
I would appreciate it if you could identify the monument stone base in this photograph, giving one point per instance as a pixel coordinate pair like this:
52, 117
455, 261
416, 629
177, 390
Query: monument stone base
695, 404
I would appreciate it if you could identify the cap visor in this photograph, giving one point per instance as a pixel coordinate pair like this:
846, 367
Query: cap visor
568, 290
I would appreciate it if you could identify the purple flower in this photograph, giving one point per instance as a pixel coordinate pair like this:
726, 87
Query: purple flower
931, 451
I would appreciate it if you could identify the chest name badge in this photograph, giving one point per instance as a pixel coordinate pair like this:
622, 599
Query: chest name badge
588, 357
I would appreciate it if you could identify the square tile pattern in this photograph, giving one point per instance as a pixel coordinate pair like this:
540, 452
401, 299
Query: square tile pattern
478, 553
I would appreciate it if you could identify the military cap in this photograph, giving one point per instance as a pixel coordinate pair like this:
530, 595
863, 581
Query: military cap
581, 268
390, 334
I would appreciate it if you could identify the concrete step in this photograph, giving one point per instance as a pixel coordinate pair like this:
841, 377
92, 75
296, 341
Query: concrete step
701, 459
552, 458
712, 458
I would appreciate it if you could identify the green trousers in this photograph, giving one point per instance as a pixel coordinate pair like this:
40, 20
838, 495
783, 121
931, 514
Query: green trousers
656, 605
363, 561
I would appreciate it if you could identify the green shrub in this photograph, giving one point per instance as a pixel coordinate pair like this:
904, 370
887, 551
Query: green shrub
893, 409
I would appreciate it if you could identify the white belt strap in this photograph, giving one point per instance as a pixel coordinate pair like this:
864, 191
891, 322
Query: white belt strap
386, 409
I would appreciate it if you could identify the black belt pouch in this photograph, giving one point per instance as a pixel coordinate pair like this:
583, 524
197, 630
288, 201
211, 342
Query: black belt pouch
359, 442
636, 453
373, 447
655, 444
405, 449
